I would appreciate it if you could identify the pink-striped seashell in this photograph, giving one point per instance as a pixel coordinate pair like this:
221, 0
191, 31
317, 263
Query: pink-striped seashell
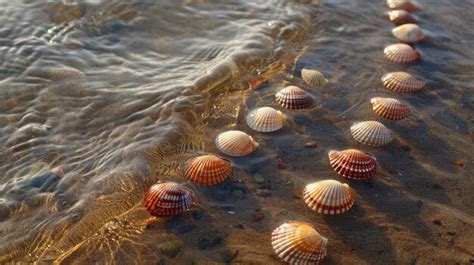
409, 33
265, 119
167, 199
353, 164
406, 5
372, 133
401, 53
401, 17
235, 143
402, 82
293, 97
208, 170
329, 196
390, 108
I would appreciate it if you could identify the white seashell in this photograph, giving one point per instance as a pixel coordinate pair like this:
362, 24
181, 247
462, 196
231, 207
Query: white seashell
372, 133
235, 143
329, 196
401, 53
402, 82
313, 78
265, 119
401, 17
406, 5
409, 33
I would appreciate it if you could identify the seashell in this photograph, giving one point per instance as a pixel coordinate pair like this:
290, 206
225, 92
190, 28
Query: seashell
406, 5
299, 243
401, 17
409, 33
208, 170
167, 199
402, 82
401, 53
313, 78
329, 196
265, 119
372, 133
293, 97
353, 164
390, 108
235, 143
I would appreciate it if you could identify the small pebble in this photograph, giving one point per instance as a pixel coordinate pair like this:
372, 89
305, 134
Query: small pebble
280, 164
458, 163
197, 215
311, 144
450, 233
437, 222
239, 226
258, 178
264, 193
230, 212
172, 248
405, 146
257, 216
238, 195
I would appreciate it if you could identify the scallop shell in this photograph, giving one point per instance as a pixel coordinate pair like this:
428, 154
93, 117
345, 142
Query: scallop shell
401, 53
406, 5
313, 78
353, 164
329, 196
409, 33
390, 108
372, 133
208, 170
265, 119
402, 82
167, 199
400, 17
293, 97
299, 243
235, 143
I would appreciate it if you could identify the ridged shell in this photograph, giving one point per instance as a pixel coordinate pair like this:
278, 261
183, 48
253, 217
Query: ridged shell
208, 170
402, 82
401, 53
299, 243
265, 119
329, 196
353, 164
406, 5
400, 17
293, 97
408, 33
372, 133
235, 143
167, 199
390, 108
313, 78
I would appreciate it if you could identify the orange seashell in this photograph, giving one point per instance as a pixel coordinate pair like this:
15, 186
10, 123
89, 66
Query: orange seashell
293, 97
406, 5
353, 164
409, 33
402, 82
299, 243
390, 108
167, 199
372, 133
235, 143
401, 53
208, 170
329, 196
400, 17
265, 119
313, 78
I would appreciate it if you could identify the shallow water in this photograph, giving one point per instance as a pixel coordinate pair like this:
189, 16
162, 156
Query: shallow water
120, 93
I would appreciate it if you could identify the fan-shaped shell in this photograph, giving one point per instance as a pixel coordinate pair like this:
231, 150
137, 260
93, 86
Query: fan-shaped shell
400, 17
329, 196
409, 33
401, 53
265, 119
208, 170
406, 5
390, 108
293, 97
167, 199
235, 143
372, 133
313, 78
299, 243
353, 164
402, 82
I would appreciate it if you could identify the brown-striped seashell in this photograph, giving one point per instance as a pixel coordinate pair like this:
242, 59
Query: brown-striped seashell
265, 119
313, 78
401, 17
353, 164
167, 199
208, 170
402, 82
372, 133
390, 108
401, 53
293, 97
235, 143
406, 5
329, 196
299, 243
409, 33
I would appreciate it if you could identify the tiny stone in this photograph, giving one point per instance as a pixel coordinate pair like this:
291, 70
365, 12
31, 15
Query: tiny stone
311, 144
450, 233
172, 248
239, 226
258, 178
405, 147
257, 216
280, 164
458, 163
437, 222
197, 215
230, 212
264, 193
238, 195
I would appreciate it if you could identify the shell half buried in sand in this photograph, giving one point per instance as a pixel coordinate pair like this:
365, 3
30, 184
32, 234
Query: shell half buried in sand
401, 17
235, 143
371, 133
265, 119
402, 82
208, 170
409, 33
390, 108
299, 243
353, 164
313, 78
293, 97
401, 53
406, 5
329, 196
167, 199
